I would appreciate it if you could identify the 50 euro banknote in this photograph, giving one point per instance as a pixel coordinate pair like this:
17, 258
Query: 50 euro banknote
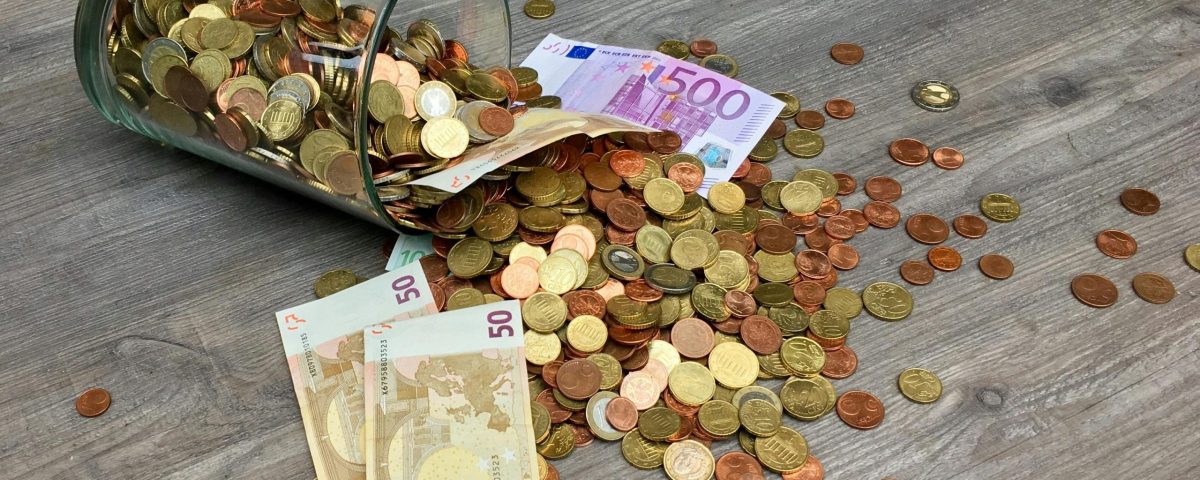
323, 341
447, 397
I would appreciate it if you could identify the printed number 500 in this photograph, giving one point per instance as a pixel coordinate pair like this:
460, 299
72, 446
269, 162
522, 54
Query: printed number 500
499, 321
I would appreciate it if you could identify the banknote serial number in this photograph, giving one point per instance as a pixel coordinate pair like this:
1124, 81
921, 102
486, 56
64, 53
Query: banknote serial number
383, 370
405, 289
501, 324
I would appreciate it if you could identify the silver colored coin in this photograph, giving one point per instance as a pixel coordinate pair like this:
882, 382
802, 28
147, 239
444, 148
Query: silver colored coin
156, 49
935, 95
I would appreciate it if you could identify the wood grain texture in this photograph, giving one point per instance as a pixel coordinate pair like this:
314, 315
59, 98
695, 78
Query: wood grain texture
155, 274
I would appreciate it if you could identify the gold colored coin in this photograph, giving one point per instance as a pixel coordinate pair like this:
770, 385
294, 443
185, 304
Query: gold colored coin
611, 372
726, 197
282, 119
469, 257
805, 399
688, 460
828, 325
759, 417
803, 143
445, 137
844, 302
664, 353
674, 48
801, 198
664, 195
887, 301
541, 421
822, 179
586, 333
709, 301
557, 275
776, 267
384, 101
654, 244
719, 417
334, 281
1000, 207
791, 104
541, 348
733, 365
691, 383
783, 452
523, 249
802, 356
560, 443
465, 298
1192, 255
539, 9
688, 253
641, 452
212, 67
729, 271
658, 423
920, 385
544, 312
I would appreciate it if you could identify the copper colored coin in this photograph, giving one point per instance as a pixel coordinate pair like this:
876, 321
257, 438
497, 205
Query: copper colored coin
761, 334
93, 402
839, 108
550, 373
818, 240
775, 239
627, 163
916, 272
810, 119
1094, 290
996, 266
813, 264
1140, 201
970, 226
621, 413
703, 47
840, 363
829, 208
843, 256
578, 379
739, 466
858, 217
664, 143
801, 224
1116, 244
758, 176
812, 470
601, 177
881, 214
944, 258
496, 121
777, 130
909, 152
839, 227
641, 291
948, 158
846, 183
585, 302
186, 89
927, 229
692, 337
884, 189
734, 241
860, 410
626, 215
808, 292
583, 436
687, 176
1153, 288
741, 304
846, 53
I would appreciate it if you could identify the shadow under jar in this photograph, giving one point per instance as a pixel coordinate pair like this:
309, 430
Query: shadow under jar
317, 96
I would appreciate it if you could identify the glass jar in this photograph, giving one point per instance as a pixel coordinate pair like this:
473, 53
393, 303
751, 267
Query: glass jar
319, 56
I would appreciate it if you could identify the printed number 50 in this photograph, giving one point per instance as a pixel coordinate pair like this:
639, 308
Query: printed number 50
499, 324
404, 289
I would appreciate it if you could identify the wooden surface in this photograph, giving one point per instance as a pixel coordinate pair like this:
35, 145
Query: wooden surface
155, 274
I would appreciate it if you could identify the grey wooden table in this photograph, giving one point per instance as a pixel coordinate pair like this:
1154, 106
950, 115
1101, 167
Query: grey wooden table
155, 274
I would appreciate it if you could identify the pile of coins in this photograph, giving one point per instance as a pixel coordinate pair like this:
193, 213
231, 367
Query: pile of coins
1097, 291
276, 80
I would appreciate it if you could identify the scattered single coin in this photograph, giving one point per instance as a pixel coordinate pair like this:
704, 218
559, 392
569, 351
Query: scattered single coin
1140, 201
334, 281
1116, 244
810, 119
1000, 207
1094, 290
722, 64
1191, 254
846, 53
703, 47
839, 108
539, 9
916, 272
970, 226
93, 402
860, 410
674, 48
909, 151
1153, 288
996, 266
944, 258
935, 95
920, 385
948, 158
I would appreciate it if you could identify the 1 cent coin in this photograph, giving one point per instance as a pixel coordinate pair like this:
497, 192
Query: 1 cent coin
970, 226
927, 229
860, 410
916, 272
1140, 201
846, 53
996, 266
948, 158
839, 108
1094, 290
1153, 288
945, 259
93, 402
909, 151
1116, 244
